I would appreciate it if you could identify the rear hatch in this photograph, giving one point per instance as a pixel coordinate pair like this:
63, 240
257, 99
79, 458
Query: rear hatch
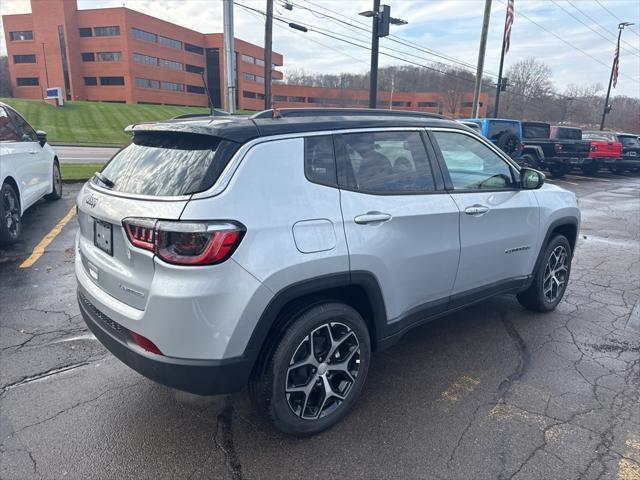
151, 178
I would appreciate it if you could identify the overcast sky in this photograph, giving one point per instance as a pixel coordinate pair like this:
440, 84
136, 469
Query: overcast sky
450, 27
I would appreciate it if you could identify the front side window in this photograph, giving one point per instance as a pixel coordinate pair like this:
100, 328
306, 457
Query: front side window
107, 31
471, 164
385, 162
25, 131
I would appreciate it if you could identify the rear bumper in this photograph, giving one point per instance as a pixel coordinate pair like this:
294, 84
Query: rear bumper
202, 377
579, 161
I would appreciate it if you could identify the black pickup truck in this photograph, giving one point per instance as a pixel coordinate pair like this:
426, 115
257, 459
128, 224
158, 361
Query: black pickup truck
555, 149
630, 159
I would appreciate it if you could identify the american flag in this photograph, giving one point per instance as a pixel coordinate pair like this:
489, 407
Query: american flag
616, 60
507, 25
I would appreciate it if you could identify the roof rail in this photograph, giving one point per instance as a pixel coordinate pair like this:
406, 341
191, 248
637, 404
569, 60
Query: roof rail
331, 112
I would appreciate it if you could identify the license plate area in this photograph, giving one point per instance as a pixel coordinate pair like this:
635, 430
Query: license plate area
103, 236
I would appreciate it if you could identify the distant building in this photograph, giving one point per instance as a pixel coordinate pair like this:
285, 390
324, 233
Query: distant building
121, 55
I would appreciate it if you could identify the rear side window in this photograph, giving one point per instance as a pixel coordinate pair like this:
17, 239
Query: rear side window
564, 133
385, 163
168, 164
319, 160
497, 128
8, 130
535, 131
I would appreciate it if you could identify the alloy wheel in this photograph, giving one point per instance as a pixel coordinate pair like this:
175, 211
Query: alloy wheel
57, 180
322, 371
11, 212
555, 274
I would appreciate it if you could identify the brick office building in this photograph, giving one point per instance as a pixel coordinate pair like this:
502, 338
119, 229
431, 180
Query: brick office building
121, 55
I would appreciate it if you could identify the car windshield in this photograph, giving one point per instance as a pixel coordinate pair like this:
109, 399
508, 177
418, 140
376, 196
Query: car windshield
166, 164
629, 141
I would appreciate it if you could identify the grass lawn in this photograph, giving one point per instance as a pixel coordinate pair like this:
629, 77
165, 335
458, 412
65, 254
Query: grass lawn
92, 123
79, 171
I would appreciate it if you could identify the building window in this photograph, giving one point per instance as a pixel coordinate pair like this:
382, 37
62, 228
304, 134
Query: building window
146, 83
280, 98
259, 79
193, 49
247, 58
90, 81
249, 76
31, 58
107, 31
142, 35
169, 64
109, 56
145, 59
296, 99
27, 81
169, 42
85, 32
259, 62
428, 104
195, 89
247, 94
176, 87
400, 104
21, 35
194, 69
88, 57
111, 81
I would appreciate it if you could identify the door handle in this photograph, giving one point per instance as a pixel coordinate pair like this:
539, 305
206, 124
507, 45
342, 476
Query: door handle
476, 210
372, 217
32, 152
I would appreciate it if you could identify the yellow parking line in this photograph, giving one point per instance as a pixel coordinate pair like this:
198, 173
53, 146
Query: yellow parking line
48, 238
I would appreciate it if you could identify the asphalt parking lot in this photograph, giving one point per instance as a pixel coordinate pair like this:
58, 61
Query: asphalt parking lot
491, 392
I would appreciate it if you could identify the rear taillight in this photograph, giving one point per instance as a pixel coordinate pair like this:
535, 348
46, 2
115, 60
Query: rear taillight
185, 243
593, 148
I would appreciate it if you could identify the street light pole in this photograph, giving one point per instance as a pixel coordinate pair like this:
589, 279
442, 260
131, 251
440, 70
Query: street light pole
375, 40
268, 36
616, 60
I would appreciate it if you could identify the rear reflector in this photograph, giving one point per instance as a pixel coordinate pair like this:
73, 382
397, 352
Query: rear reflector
145, 343
185, 243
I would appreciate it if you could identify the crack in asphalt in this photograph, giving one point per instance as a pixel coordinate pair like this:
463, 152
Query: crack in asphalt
43, 375
224, 440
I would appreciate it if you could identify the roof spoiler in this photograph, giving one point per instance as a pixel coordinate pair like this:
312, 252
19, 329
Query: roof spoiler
330, 112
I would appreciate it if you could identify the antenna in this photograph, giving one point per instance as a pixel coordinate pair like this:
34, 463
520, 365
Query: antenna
206, 89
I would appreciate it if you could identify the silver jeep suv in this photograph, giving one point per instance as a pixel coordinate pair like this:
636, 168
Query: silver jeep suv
281, 250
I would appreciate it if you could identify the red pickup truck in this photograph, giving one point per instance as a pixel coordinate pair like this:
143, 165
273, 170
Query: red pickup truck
605, 148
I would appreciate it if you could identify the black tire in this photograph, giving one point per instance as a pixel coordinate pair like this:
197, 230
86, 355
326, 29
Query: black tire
269, 391
56, 194
618, 170
590, 169
537, 297
10, 220
509, 143
530, 160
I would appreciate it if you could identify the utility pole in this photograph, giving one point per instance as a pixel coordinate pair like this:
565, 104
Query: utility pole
229, 56
614, 67
381, 17
373, 74
268, 36
483, 46
502, 83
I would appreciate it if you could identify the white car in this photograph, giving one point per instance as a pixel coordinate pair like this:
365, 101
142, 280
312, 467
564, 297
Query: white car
29, 170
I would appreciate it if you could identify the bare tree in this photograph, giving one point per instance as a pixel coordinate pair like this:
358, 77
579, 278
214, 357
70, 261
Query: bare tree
529, 83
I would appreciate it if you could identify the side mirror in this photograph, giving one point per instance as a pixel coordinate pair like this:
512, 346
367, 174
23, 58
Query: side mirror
42, 137
531, 179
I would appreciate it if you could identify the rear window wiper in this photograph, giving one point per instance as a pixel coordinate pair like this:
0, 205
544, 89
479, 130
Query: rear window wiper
106, 182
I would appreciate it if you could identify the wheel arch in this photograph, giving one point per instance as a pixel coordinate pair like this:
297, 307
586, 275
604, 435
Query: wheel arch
359, 290
11, 181
567, 226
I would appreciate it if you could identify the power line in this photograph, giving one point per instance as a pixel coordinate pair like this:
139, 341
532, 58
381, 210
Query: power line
616, 17
608, 67
601, 26
589, 26
313, 29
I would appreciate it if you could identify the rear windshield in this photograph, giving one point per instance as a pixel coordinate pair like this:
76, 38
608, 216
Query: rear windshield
564, 133
535, 130
497, 128
168, 164
629, 141
603, 136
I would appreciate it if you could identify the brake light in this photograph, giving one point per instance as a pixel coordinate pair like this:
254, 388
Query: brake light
593, 148
185, 243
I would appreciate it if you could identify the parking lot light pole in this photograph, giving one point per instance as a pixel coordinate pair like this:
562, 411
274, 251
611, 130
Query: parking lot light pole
614, 67
380, 28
